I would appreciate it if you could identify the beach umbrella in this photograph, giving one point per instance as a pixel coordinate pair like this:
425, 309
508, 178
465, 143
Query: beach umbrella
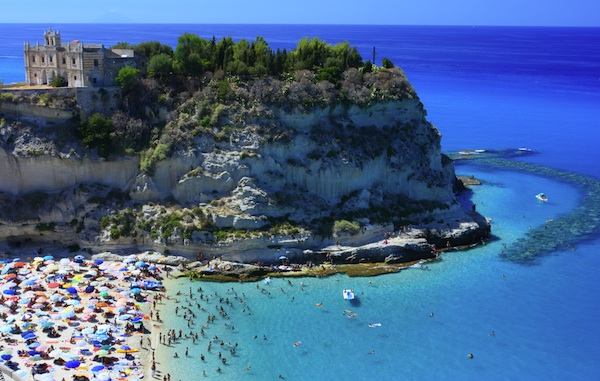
56, 297
5, 357
33, 353
48, 257
72, 364
9, 292
98, 368
35, 344
79, 257
136, 290
140, 264
53, 285
126, 349
35, 357
101, 353
72, 290
68, 314
98, 261
81, 343
89, 289
19, 264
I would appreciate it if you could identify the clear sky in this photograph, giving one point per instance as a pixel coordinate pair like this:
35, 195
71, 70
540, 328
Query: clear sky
390, 12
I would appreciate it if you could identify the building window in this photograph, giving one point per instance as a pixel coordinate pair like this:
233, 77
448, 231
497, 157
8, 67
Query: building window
75, 78
95, 63
33, 59
93, 80
50, 58
73, 61
43, 59
64, 60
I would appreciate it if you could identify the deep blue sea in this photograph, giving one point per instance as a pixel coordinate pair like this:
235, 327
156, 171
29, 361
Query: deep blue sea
484, 88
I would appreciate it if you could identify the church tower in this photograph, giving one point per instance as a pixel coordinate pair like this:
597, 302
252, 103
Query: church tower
52, 38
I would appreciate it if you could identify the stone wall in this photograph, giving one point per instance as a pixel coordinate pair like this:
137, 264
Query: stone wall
105, 100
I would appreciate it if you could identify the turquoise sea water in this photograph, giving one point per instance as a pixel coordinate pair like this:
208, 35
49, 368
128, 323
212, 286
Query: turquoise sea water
542, 315
484, 88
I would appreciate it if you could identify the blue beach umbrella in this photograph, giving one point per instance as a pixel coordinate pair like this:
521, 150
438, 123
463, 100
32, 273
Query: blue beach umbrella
98, 261
48, 257
98, 368
89, 289
6, 357
72, 364
9, 291
72, 290
136, 290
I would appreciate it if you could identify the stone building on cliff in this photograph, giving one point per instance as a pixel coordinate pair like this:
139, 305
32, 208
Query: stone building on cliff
80, 64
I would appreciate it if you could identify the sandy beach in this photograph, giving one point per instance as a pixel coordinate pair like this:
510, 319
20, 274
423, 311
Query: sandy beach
77, 319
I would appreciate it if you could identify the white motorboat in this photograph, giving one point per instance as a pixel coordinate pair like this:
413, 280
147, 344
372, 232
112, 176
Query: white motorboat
348, 294
541, 197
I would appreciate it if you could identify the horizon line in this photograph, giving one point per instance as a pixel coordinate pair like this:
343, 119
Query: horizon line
310, 24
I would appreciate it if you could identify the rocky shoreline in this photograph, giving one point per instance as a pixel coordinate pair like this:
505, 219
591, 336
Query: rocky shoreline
351, 255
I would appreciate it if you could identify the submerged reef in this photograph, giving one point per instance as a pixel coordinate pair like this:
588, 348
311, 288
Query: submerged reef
564, 231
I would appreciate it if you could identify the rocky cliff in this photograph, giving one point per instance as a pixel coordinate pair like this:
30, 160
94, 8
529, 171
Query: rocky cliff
258, 179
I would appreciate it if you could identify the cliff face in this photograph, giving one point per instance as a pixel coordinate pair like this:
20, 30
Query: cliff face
374, 165
332, 152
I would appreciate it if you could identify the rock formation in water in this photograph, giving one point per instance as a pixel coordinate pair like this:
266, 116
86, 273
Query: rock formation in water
251, 171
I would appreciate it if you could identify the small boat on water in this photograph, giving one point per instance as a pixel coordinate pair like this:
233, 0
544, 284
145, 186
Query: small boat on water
348, 294
541, 197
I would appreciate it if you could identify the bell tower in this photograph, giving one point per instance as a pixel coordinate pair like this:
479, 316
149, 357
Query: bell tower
52, 38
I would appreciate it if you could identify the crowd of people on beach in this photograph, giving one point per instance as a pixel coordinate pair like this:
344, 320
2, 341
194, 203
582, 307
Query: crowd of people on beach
73, 318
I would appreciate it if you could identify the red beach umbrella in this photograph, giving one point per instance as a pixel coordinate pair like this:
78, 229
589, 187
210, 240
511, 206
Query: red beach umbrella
53, 285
